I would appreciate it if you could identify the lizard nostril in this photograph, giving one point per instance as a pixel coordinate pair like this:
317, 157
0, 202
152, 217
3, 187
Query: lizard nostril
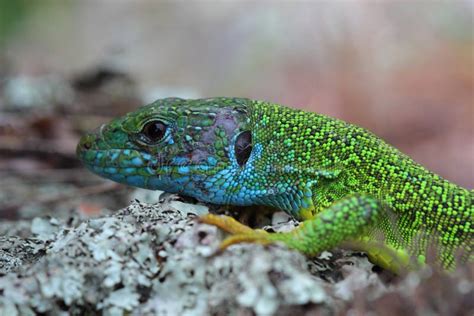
86, 145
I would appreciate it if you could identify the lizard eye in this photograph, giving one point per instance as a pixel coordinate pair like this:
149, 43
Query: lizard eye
243, 147
154, 131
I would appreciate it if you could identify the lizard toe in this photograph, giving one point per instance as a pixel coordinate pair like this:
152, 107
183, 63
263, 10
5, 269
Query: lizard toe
256, 236
226, 223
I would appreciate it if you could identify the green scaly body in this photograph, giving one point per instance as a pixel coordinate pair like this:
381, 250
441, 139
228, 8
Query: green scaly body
349, 187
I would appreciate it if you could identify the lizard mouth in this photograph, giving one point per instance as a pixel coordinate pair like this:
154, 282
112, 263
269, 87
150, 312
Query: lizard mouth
137, 168
110, 162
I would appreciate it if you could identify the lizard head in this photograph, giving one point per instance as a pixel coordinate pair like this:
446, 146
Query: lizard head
194, 147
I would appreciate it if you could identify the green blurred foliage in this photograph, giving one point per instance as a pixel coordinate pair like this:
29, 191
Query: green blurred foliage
12, 13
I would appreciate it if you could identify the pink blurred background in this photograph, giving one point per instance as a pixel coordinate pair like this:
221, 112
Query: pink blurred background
402, 69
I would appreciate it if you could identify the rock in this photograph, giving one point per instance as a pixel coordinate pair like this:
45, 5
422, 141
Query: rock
156, 259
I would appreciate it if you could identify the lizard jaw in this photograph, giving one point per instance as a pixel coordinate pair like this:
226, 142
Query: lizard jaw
139, 169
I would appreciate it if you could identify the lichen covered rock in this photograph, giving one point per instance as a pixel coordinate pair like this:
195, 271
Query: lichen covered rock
157, 259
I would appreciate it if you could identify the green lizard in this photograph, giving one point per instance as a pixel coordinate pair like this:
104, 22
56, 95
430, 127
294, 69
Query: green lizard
348, 187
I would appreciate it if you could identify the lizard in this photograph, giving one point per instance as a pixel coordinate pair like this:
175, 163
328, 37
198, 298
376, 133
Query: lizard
347, 187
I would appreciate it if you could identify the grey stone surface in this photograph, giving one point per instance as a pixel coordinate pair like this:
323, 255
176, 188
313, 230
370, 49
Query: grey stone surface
157, 259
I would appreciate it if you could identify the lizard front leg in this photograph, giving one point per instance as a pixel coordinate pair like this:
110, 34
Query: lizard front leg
357, 222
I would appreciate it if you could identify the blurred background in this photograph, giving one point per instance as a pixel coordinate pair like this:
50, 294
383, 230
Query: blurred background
402, 69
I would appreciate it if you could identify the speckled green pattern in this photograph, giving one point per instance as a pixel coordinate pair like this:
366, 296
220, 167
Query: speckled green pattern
425, 204
349, 186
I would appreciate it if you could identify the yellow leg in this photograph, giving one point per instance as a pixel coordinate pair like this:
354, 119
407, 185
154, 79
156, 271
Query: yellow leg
226, 223
383, 255
258, 236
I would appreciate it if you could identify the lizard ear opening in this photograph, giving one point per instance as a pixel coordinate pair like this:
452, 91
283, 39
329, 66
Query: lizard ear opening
243, 147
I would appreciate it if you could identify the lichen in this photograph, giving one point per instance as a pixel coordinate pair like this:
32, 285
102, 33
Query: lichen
157, 259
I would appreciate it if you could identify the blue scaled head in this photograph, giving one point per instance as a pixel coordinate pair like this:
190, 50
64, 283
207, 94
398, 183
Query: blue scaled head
194, 147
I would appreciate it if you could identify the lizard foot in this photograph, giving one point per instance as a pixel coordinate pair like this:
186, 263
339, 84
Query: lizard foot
226, 223
241, 233
257, 236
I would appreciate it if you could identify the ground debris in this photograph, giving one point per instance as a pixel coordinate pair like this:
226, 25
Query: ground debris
156, 259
